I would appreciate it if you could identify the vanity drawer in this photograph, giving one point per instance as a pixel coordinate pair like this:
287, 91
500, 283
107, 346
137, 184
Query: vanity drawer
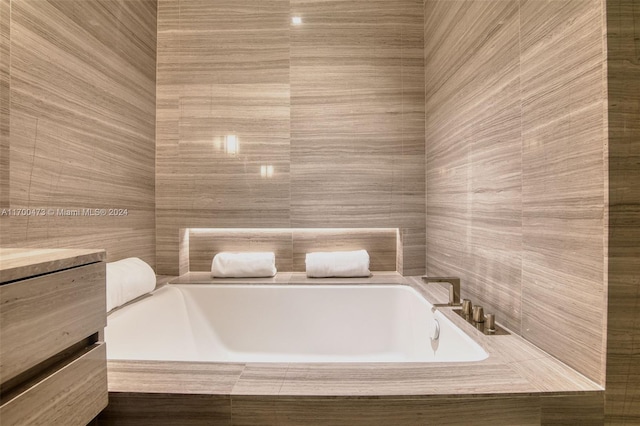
44, 315
72, 394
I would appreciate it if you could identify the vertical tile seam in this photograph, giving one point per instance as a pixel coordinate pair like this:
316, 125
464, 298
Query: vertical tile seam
155, 148
520, 327
606, 197
424, 91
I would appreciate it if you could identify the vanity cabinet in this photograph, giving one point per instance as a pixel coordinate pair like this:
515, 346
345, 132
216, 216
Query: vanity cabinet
52, 312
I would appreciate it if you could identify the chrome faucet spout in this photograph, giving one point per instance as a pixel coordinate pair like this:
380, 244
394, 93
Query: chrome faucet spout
454, 290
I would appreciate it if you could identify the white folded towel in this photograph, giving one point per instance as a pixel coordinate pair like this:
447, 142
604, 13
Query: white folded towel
244, 265
128, 279
338, 264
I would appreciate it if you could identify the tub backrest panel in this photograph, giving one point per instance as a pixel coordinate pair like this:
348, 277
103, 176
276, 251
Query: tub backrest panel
290, 245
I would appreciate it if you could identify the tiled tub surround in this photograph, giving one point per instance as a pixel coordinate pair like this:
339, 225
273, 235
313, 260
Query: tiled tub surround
517, 384
516, 167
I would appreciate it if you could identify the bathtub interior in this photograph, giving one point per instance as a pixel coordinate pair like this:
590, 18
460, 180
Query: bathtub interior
290, 323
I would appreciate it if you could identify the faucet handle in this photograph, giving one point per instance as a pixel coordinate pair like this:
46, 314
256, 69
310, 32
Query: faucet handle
467, 307
490, 322
478, 314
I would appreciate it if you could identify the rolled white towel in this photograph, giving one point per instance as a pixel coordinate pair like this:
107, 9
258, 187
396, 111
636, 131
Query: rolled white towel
338, 264
244, 265
128, 279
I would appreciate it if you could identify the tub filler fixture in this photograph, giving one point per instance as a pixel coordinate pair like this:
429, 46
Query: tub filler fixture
454, 290
286, 323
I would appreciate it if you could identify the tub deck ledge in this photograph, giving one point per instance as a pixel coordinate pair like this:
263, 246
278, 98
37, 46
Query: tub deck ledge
517, 377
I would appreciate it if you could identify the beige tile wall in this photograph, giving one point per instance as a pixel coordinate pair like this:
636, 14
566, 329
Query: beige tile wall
357, 117
623, 336
5, 97
474, 191
335, 105
82, 124
563, 180
515, 140
223, 69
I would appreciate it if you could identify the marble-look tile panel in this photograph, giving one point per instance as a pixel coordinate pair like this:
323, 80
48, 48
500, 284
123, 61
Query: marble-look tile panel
358, 380
342, 12
232, 15
353, 143
335, 106
223, 70
474, 151
410, 251
82, 125
515, 171
496, 179
134, 409
260, 379
563, 181
357, 116
379, 412
324, 192
199, 171
5, 100
632, 400
581, 410
208, 113
623, 323
38, 178
188, 378
552, 368
447, 162
224, 42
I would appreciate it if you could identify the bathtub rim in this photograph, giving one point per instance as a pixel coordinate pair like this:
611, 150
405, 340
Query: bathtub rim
402, 286
514, 367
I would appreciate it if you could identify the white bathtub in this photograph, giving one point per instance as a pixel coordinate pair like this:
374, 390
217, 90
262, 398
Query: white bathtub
286, 323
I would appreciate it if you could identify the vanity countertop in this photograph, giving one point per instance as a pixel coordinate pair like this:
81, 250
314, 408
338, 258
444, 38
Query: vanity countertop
20, 263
